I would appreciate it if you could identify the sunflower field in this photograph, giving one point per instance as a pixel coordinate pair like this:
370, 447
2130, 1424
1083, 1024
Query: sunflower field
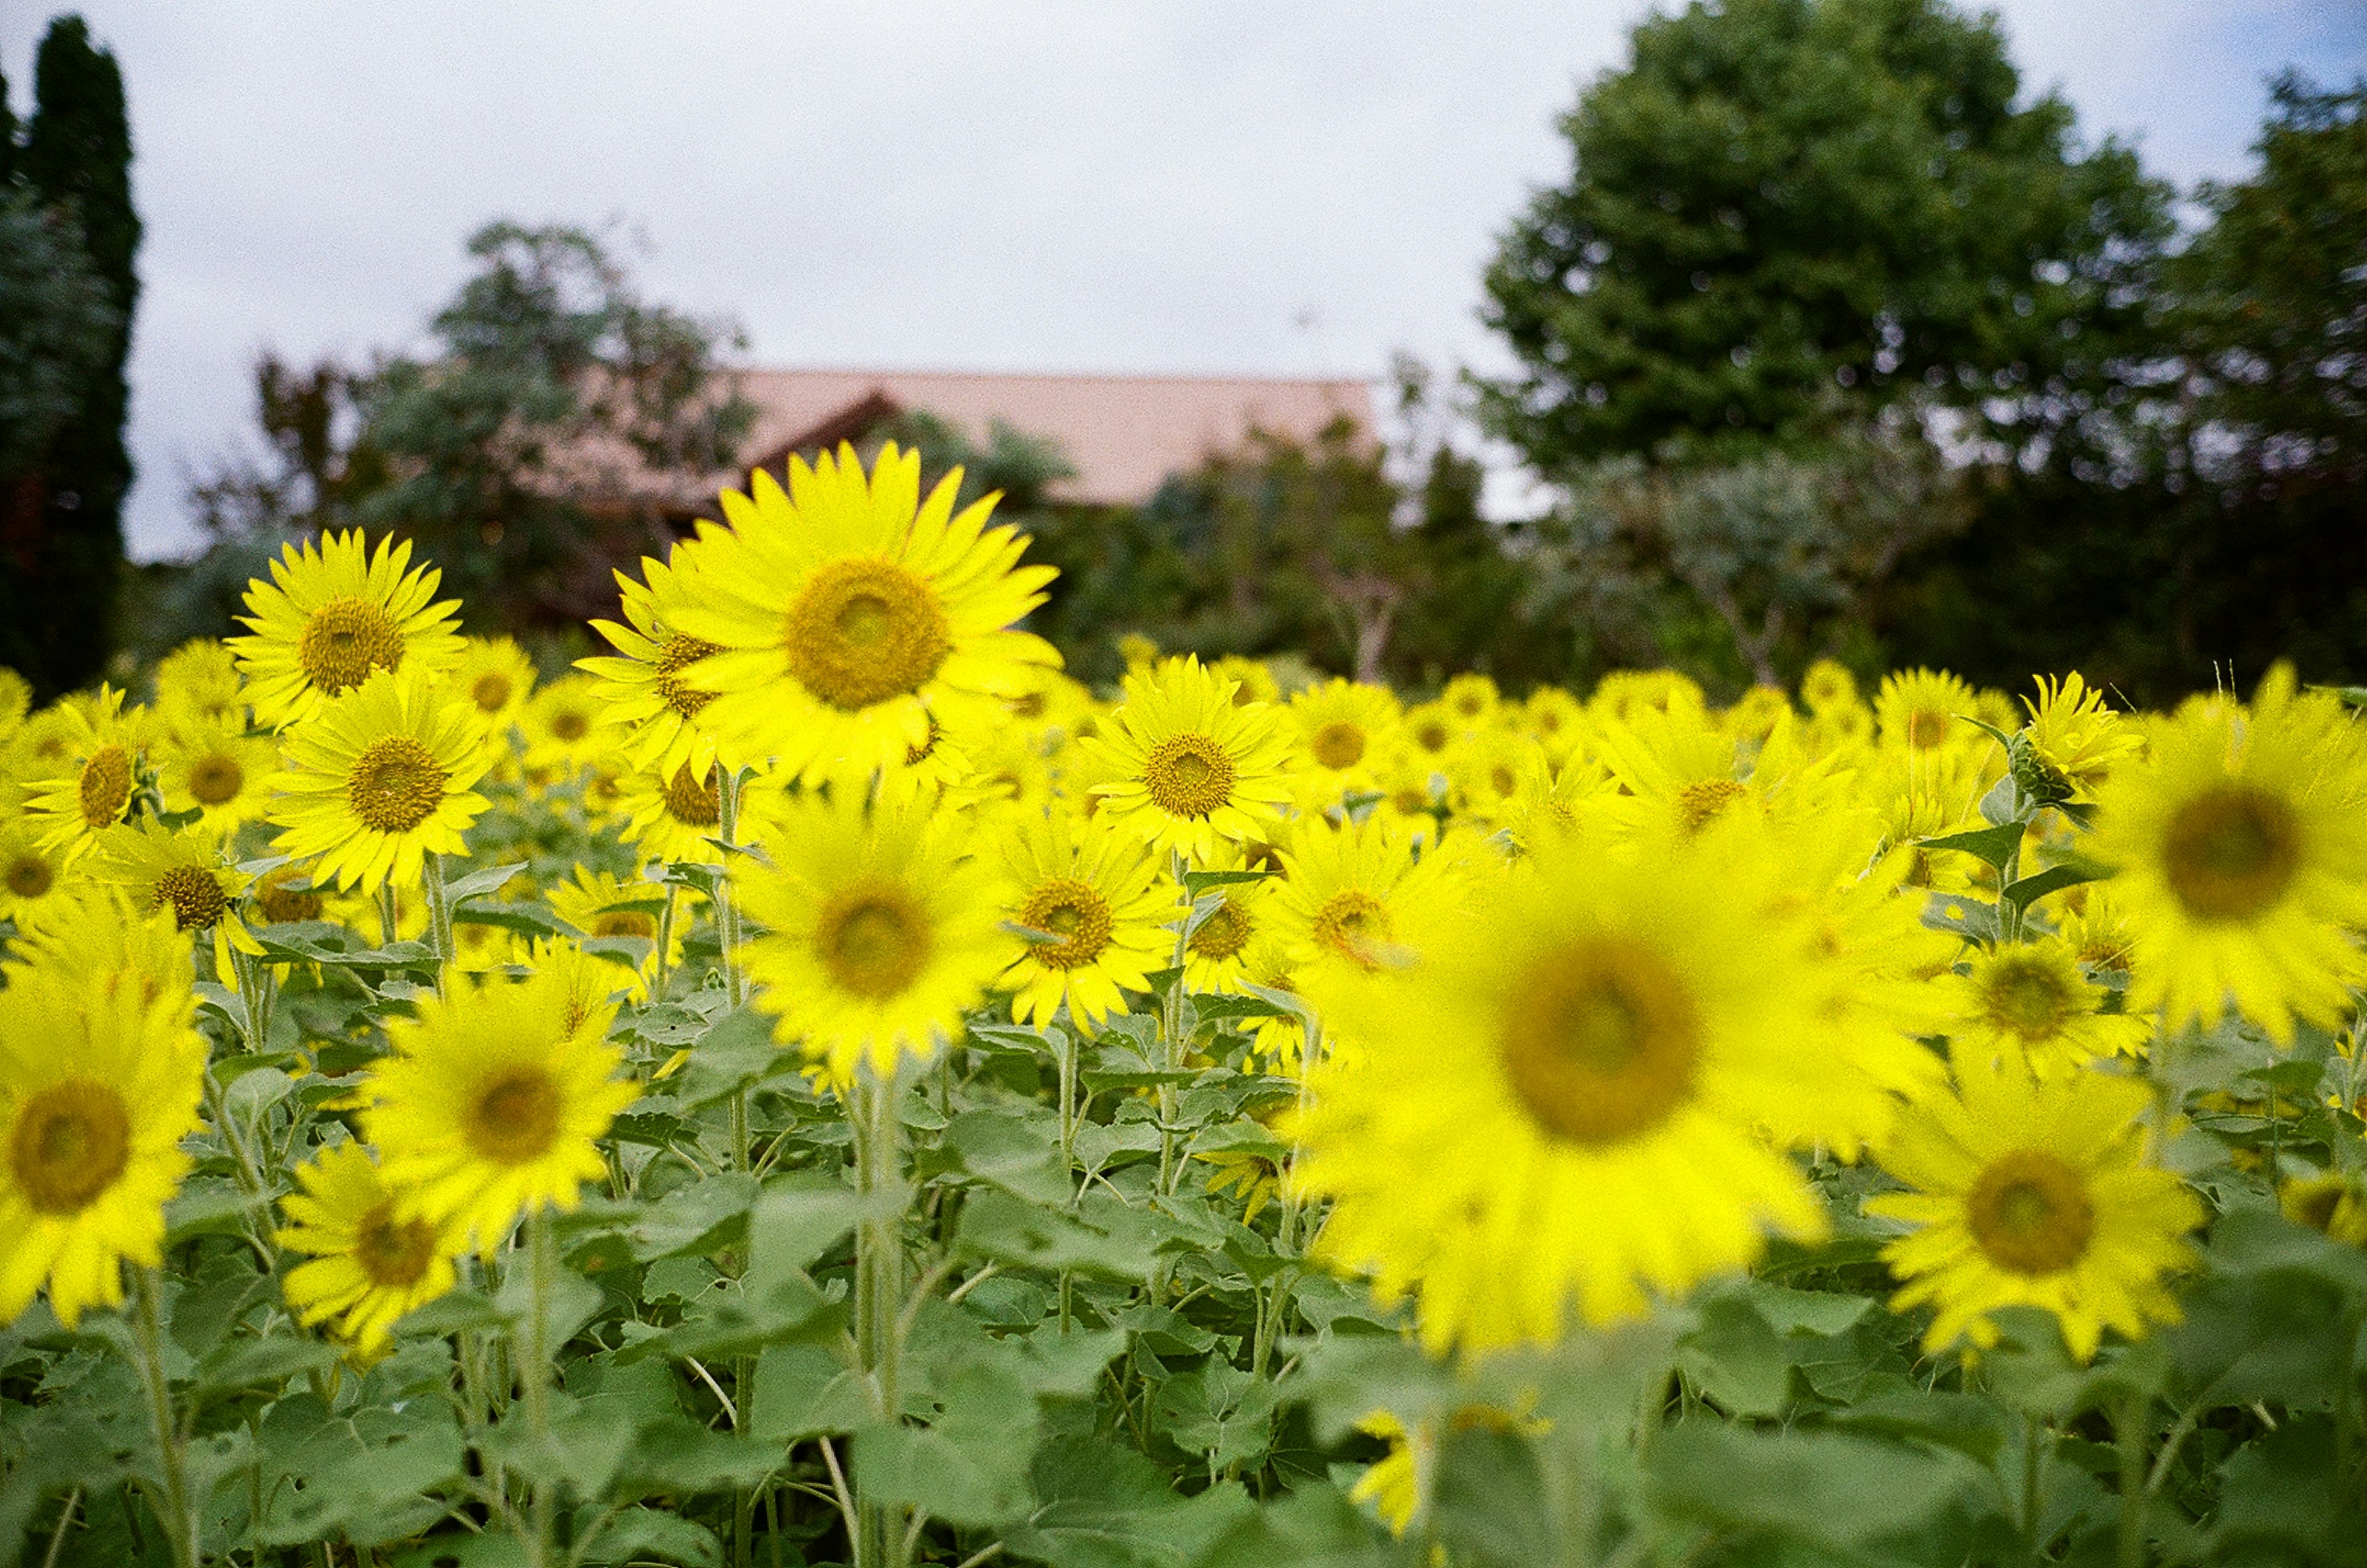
814, 1084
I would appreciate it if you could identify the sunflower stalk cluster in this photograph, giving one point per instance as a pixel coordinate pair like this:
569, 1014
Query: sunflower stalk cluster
815, 1085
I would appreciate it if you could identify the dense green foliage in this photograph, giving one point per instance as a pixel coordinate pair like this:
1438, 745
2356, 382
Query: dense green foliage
68, 186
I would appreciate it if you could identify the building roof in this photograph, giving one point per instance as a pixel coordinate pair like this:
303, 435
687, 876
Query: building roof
1123, 434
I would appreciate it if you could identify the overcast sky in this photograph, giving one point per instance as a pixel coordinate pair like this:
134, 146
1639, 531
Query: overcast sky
1231, 186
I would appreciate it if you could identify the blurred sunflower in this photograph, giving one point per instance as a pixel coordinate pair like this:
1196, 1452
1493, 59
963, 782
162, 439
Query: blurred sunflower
213, 766
2242, 847
2027, 1005
562, 725
32, 879
2033, 1194
200, 678
334, 615
378, 780
1922, 710
848, 609
1343, 727
1192, 769
2074, 741
366, 1266
98, 1087
497, 678
102, 749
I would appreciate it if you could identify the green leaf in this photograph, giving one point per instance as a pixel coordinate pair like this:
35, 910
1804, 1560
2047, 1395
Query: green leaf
699, 1218
1020, 1155
1105, 1239
258, 1363
970, 1465
643, 1535
1314, 1526
803, 1391
734, 1053
1220, 1411
1831, 1492
2020, 894
369, 1476
1097, 1504
479, 883
1195, 883
1488, 1502
1992, 846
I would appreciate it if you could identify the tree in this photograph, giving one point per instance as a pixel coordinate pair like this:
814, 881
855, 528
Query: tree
59, 331
1783, 215
61, 532
562, 420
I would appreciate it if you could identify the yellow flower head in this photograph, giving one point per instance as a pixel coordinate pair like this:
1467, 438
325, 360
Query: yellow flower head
213, 766
1561, 1107
379, 779
602, 907
643, 687
2076, 741
562, 723
879, 932
333, 616
102, 749
848, 609
367, 1265
1098, 891
1191, 767
493, 1105
1343, 727
200, 678
2027, 1005
1347, 893
98, 1086
2242, 848
1828, 685
1922, 710
2034, 1194
156, 868
494, 676
1472, 698
32, 879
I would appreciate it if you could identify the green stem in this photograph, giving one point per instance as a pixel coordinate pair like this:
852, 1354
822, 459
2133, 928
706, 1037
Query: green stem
665, 943
2031, 1459
533, 1373
389, 917
2129, 1436
259, 988
879, 1295
174, 1510
440, 915
727, 912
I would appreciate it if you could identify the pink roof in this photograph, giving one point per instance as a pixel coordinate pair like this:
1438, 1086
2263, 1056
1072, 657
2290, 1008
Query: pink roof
1122, 434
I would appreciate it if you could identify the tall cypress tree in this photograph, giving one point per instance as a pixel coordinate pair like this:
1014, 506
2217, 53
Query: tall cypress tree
61, 522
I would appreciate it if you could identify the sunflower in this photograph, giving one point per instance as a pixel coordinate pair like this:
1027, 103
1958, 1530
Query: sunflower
1556, 720
2242, 848
201, 677
492, 1106
102, 749
849, 609
158, 868
2033, 1194
1432, 728
601, 906
496, 677
98, 1086
1751, 720
1217, 952
1192, 767
1253, 682
210, 765
880, 933
380, 779
332, 618
2028, 1005
1345, 897
1922, 710
95, 940
1098, 891
2074, 741
587, 987
1678, 772
562, 729
367, 1266
1486, 770
32, 879
641, 687
1561, 1105
1343, 727
1828, 685
674, 816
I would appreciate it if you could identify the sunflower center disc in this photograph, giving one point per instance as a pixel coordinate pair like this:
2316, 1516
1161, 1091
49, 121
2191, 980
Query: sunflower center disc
393, 1252
216, 778
1601, 1041
874, 942
343, 640
29, 876
194, 894
695, 800
106, 787
1926, 728
1700, 802
863, 631
2026, 998
2030, 1212
395, 784
1224, 933
282, 903
677, 654
2231, 853
72, 1140
1338, 744
1072, 911
1354, 925
1188, 775
515, 1118
626, 922
570, 724
492, 691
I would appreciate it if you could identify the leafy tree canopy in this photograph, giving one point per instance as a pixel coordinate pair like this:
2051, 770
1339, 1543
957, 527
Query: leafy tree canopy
1782, 208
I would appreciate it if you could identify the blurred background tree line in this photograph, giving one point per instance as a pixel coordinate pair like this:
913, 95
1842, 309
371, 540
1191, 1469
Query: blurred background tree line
1829, 341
